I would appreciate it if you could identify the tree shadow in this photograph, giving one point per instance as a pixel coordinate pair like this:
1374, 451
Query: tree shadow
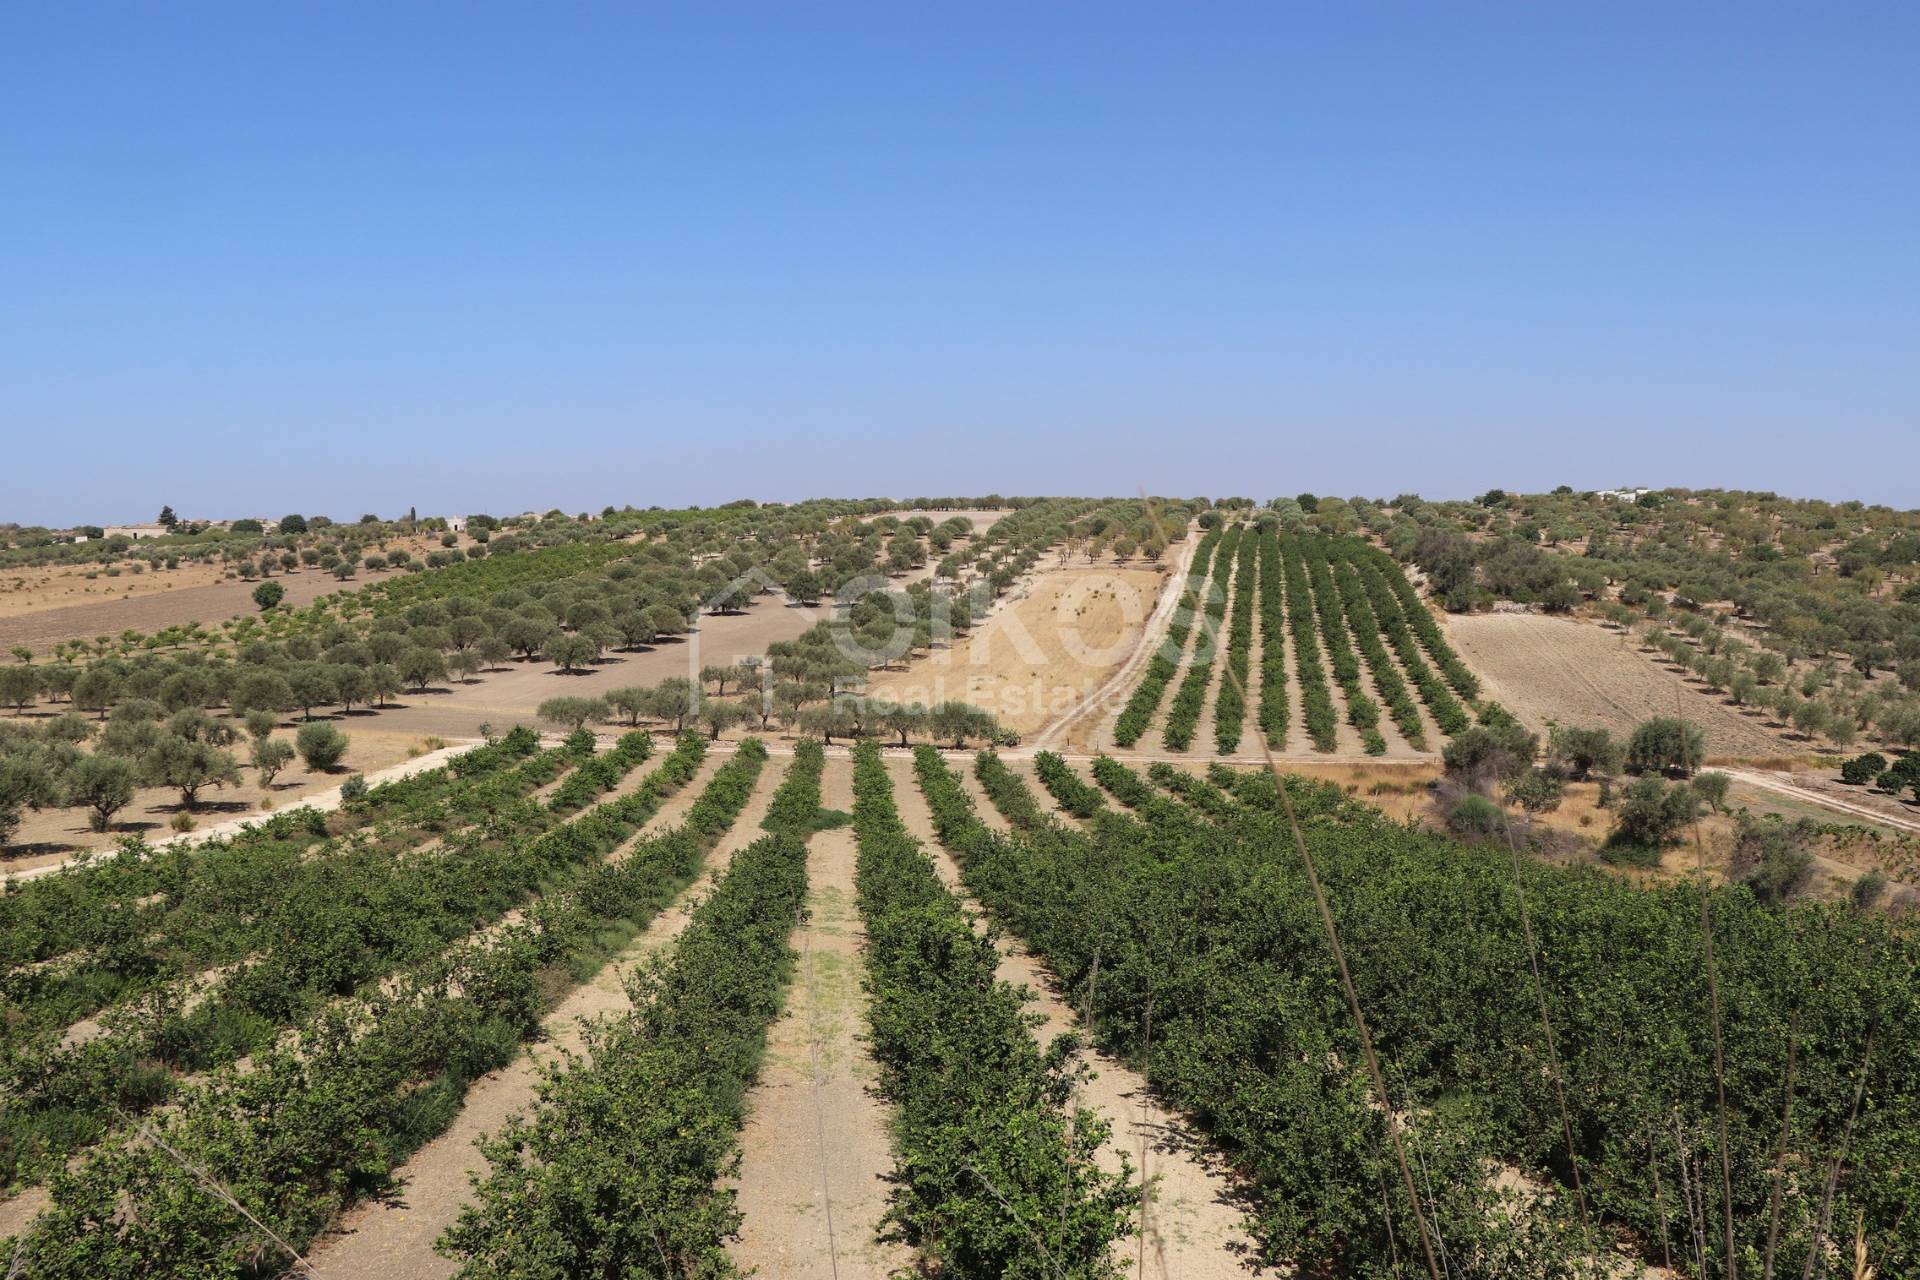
36, 848
207, 806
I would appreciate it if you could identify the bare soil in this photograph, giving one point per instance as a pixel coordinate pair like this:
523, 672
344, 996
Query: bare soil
513, 694
1043, 650
41, 607
1568, 672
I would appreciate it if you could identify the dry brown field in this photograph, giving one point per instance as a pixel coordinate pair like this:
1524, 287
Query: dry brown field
1561, 671
1060, 635
40, 608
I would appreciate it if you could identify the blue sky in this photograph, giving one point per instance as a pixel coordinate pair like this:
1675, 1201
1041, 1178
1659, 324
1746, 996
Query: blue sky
356, 257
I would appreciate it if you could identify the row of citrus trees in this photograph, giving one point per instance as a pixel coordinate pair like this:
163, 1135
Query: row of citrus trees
1341, 603
1230, 703
1214, 978
995, 1166
323, 1117
261, 928
1184, 713
1144, 703
622, 1168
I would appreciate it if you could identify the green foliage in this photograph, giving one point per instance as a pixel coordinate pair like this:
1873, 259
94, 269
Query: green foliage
1649, 817
1203, 928
1009, 795
1066, 786
994, 1170
103, 784
595, 777
1666, 744
1770, 855
1582, 753
1473, 816
329, 1117
321, 745
268, 595
1184, 712
1535, 790
1862, 769
1483, 755
1141, 705
572, 713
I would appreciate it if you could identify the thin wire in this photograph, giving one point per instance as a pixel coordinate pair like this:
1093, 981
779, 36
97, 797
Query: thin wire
1359, 1018
1780, 1152
1352, 993
1546, 1027
1713, 995
220, 1192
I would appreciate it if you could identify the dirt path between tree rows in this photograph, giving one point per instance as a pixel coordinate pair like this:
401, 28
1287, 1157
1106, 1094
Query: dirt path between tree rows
393, 1239
1193, 1230
815, 1151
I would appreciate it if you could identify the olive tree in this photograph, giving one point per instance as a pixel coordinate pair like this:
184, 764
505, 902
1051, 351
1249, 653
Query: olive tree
1666, 744
270, 756
103, 785
573, 713
321, 745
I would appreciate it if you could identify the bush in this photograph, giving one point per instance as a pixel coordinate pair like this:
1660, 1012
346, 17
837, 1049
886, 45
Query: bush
354, 788
1584, 752
270, 756
268, 594
1863, 769
1712, 788
1536, 791
321, 745
1482, 755
1651, 815
1475, 816
1770, 858
1868, 890
572, 713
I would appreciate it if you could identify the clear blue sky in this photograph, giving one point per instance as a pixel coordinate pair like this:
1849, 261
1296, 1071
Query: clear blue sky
355, 257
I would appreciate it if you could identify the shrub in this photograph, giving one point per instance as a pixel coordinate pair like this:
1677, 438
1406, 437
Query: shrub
1536, 791
268, 594
1483, 755
1770, 858
270, 756
1868, 890
1475, 816
1863, 769
321, 745
571, 713
1712, 788
354, 788
1584, 752
1651, 814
